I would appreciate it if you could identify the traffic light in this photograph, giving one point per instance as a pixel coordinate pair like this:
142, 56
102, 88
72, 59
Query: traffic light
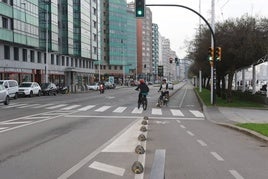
140, 8
218, 53
210, 53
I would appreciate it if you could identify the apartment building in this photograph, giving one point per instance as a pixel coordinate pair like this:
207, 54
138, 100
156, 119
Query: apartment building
43, 40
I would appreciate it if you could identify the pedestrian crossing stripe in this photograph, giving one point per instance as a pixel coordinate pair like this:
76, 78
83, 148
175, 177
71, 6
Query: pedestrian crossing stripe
103, 108
156, 111
120, 109
65, 107
57, 106
86, 108
137, 111
176, 112
71, 107
197, 113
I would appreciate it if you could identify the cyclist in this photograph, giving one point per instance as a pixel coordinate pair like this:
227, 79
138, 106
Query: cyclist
164, 88
143, 89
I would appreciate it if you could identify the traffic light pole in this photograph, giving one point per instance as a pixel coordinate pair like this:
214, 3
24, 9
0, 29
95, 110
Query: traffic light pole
213, 39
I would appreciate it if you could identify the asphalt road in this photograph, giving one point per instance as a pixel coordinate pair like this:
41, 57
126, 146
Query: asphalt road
92, 135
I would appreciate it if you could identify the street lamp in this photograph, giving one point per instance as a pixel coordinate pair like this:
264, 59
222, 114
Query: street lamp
46, 64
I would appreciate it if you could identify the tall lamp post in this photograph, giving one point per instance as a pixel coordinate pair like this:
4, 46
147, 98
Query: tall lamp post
47, 18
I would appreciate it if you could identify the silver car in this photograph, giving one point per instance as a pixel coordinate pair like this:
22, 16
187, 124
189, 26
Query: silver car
4, 97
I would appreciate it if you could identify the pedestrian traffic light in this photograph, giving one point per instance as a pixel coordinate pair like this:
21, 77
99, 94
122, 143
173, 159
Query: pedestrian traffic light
218, 53
210, 54
140, 8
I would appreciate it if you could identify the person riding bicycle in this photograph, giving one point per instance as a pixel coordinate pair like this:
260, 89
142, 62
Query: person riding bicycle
164, 88
143, 89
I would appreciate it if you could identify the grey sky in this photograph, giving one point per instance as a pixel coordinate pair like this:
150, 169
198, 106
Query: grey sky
179, 24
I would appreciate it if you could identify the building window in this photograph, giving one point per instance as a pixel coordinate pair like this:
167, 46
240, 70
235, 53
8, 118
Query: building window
52, 59
115, 67
16, 53
32, 56
76, 63
67, 61
7, 52
24, 55
39, 57
110, 67
95, 50
57, 60
62, 61
72, 62
5, 22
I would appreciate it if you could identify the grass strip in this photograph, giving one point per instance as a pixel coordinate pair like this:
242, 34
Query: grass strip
261, 128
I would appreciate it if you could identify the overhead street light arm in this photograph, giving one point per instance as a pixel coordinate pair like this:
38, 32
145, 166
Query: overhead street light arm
213, 38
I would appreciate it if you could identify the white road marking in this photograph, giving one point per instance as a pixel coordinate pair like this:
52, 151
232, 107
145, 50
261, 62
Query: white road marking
137, 111
202, 143
57, 106
236, 174
120, 109
86, 108
107, 168
2, 128
42, 106
182, 126
190, 133
161, 122
156, 111
197, 113
71, 107
217, 156
127, 141
103, 108
178, 121
16, 122
28, 106
85, 160
176, 112
14, 105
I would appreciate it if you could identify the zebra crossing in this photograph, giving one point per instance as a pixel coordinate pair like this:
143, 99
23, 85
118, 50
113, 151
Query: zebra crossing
114, 109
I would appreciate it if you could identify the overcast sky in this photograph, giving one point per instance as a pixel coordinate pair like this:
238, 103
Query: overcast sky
179, 24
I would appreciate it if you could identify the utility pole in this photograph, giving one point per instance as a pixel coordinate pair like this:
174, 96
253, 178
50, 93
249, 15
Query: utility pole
212, 96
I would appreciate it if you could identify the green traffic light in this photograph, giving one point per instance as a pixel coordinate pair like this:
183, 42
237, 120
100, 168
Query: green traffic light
139, 12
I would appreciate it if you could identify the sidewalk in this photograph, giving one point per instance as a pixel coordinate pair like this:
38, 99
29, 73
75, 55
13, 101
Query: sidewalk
228, 117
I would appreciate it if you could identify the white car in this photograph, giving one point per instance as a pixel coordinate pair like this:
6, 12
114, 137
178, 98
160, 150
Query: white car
170, 85
94, 86
12, 87
29, 89
4, 97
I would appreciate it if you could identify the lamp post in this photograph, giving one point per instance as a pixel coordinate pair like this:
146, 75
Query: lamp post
46, 64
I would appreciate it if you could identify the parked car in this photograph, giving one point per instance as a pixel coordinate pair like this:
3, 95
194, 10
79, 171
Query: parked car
49, 89
94, 86
108, 85
170, 85
29, 89
4, 96
12, 87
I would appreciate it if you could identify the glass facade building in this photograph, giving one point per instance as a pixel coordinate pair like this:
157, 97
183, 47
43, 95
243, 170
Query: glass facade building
67, 27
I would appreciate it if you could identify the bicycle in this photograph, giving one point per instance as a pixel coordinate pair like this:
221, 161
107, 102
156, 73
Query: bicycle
163, 100
143, 101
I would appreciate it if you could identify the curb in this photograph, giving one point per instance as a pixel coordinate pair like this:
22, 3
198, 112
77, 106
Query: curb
231, 126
